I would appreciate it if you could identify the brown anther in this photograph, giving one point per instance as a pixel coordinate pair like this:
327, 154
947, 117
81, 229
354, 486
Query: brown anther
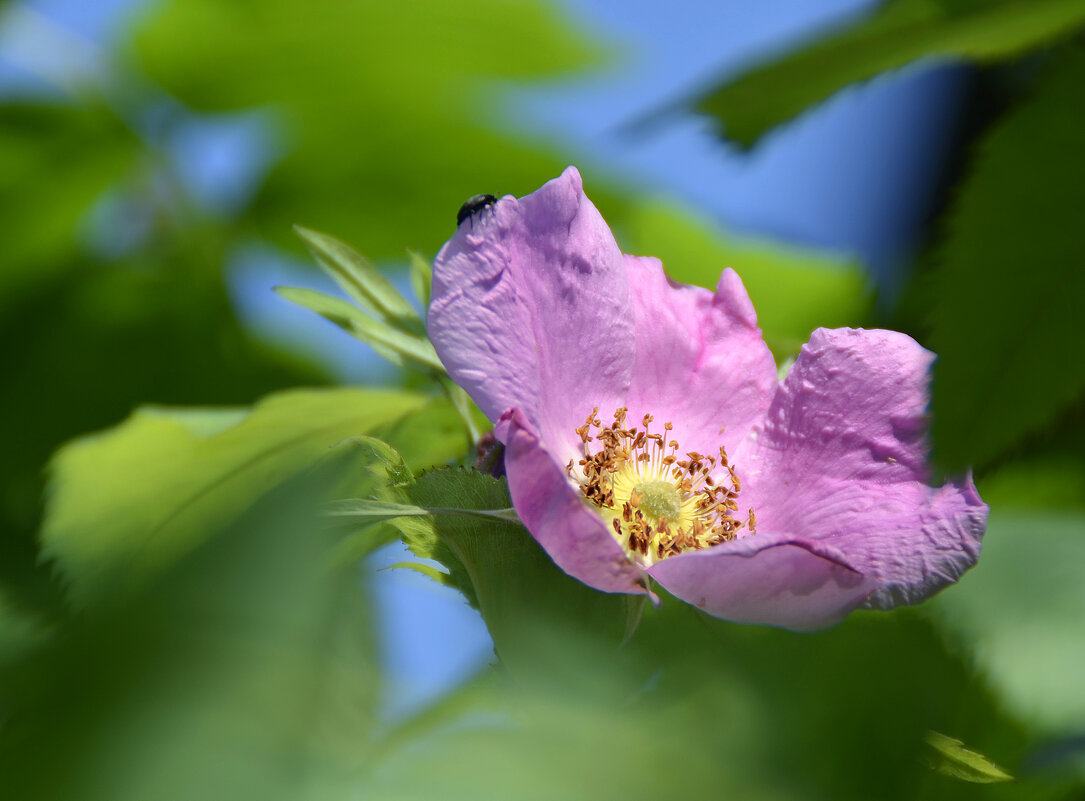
735, 482
626, 457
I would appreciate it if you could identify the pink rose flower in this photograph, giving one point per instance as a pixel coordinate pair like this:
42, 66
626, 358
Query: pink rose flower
647, 433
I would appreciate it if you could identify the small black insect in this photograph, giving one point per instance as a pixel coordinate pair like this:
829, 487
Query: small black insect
472, 206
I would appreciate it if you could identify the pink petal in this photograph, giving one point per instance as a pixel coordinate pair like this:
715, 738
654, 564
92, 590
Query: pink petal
773, 580
557, 516
701, 361
842, 460
531, 310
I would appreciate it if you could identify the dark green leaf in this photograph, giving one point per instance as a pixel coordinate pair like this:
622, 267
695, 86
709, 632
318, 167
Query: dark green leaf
20, 631
1006, 301
523, 597
55, 161
900, 32
246, 670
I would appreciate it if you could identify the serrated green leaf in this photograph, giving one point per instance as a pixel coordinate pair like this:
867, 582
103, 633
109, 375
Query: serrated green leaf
504, 573
429, 571
432, 538
391, 343
900, 32
1006, 299
361, 280
951, 758
127, 502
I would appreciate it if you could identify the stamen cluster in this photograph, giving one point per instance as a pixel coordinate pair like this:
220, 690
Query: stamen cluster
659, 503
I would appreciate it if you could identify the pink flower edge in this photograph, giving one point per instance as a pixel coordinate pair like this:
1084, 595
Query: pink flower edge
541, 318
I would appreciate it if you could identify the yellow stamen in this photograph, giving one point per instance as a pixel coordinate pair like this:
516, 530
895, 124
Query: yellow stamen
658, 503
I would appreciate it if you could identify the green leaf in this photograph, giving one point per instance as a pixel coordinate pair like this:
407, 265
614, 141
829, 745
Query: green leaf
1021, 609
360, 279
127, 502
953, 759
391, 343
383, 157
363, 509
1006, 299
720, 707
20, 631
247, 670
421, 277
793, 291
465, 407
524, 598
900, 32
83, 151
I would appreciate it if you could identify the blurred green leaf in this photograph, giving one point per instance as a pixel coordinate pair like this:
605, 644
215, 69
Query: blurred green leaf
55, 161
421, 277
900, 32
387, 115
20, 631
95, 340
524, 599
953, 759
793, 291
389, 342
1006, 298
1022, 610
368, 288
126, 503
1051, 481
695, 708
246, 670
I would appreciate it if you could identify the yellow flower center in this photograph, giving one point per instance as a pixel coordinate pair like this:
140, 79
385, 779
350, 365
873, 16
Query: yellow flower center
658, 503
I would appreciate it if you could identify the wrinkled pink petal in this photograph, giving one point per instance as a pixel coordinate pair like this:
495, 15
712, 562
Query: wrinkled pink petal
530, 310
701, 361
557, 516
842, 459
775, 580
535, 311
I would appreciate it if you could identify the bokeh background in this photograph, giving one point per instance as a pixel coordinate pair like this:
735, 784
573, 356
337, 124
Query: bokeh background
914, 164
